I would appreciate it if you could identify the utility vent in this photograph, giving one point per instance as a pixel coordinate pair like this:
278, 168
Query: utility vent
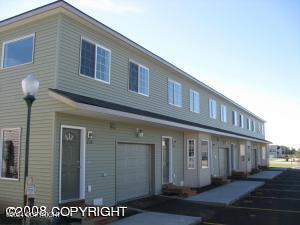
98, 201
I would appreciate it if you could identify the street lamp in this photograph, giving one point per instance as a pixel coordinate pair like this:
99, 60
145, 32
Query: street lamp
30, 86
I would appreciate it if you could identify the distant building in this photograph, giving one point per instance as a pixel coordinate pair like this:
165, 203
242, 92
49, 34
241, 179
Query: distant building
275, 151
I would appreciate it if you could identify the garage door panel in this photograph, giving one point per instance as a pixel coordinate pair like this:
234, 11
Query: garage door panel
133, 171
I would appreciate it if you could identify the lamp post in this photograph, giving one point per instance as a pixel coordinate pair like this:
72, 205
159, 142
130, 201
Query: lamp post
30, 86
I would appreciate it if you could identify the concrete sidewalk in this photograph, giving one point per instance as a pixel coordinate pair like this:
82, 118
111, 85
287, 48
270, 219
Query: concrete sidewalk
226, 194
153, 218
266, 175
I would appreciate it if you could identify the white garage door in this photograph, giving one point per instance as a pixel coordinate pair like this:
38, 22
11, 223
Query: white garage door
133, 171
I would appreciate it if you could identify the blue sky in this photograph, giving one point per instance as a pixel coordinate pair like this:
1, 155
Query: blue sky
249, 50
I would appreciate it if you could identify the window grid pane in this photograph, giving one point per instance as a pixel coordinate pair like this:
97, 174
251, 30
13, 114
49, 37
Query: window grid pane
103, 64
133, 77
143, 80
87, 66
191, 160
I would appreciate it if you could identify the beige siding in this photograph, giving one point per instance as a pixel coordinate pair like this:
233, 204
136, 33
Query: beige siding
100, 155
13, 110
117, 91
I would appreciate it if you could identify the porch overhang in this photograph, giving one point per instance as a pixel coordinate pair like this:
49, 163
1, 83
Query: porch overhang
109, 110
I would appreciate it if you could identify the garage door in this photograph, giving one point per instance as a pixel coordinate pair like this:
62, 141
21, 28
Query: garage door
133, 171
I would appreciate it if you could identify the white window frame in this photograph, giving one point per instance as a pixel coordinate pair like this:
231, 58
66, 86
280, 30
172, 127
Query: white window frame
241, 121
262, 129
235, 119
100, 46
174, 82
249, 123
208, 153
224, 113
191, 157
212, 105
15, 40
254, 126
1, 153
193, 92
139, 66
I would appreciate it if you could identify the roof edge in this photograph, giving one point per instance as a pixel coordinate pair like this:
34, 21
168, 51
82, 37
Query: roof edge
76, 11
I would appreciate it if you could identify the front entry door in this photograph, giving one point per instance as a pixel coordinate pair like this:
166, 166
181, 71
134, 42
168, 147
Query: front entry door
166, 160
70, 164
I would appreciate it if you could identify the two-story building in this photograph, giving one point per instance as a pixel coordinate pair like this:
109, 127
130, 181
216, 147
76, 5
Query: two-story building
112, 120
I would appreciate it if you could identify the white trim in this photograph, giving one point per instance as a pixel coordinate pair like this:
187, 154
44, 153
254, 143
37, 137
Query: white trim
1, 153
15, 40
241, 119
111, 112
82, 161
142, 66
65, 8
235, 119
179, 84
208, 153
95, 71
170, 160
212, 107
188, 151
223, 113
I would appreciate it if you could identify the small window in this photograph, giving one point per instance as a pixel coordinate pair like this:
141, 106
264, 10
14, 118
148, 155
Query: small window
95, 61
10, 153
191, 154
194, 101
264, 153
212, 109
18, 52
224, 113
138, 78
234, 118
174, 93
253, 126
263, 129
204, 153
241, 121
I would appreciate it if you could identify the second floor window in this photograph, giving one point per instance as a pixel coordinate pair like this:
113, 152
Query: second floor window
248, 124
95, 61
224, 113
138, 78
241, 121
253, 125
234, 118
194, 101
212, 108
18, 51
174, 93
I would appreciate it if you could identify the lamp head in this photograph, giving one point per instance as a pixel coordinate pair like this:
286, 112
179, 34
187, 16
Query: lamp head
30, 86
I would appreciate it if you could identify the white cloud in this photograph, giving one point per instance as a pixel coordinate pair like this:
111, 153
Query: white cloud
111, 6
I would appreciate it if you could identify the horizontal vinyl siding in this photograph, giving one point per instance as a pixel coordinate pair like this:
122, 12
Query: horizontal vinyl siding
117, 90
100, 155
13, 111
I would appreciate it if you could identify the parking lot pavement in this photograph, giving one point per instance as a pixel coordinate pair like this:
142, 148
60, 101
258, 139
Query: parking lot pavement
277, 202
